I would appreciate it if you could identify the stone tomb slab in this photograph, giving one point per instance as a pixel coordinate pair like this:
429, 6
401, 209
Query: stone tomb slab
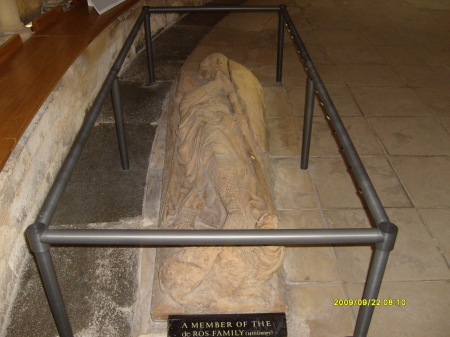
214, 177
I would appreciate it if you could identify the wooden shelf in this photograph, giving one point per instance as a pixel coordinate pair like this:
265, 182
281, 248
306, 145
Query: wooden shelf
30, 72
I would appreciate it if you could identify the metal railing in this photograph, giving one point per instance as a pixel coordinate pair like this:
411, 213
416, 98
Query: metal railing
40, 237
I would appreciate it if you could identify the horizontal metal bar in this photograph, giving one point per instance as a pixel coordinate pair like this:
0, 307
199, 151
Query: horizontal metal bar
156, 238
212, 9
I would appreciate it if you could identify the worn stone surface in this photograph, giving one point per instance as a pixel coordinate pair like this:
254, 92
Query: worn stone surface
98, 287
99, 189
215, 181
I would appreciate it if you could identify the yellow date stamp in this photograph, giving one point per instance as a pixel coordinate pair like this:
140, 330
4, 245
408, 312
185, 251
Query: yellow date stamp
370, 302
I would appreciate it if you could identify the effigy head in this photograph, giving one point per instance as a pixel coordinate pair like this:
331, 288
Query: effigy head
212, 64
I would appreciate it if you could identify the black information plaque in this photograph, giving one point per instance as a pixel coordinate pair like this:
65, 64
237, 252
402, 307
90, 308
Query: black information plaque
229, 325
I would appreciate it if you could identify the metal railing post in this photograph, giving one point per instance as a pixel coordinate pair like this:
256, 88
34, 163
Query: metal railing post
307, 123
120, 127
49, 278
280, 44
148, 46
373, 283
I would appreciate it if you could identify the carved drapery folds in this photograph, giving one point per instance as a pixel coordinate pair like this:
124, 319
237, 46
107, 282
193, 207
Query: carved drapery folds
215, 178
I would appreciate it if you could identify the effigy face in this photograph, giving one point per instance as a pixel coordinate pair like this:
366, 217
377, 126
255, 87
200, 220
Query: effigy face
215, 178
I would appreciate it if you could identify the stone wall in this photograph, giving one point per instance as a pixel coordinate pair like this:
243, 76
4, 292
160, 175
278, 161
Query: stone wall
34, 163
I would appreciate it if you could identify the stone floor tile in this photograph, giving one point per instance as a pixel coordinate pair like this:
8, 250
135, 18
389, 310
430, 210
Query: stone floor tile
315, 3
370, 20
271, 33
412, 54
315, 315
340, 37
245, 22
235, 53
98, 285
440, 51
309, 38
386, 182
427, 179
437, 220
261, 56
301, 23
438, 99
378, 75
411, 136
425, 312
271, 23
422, 75
277, 102
334, 184
297, 99
347, 53
436, 39
294, 75
336, 187
331, 75
308, 264
422, 23
389, 38
385, 101
344, 101
228, 36
445, 122
341, 97
284, 138
415, 255
317, 53
433, 4
325, 143
331, 20
293, 187
263, 39
98, 184
299, 20
266, 74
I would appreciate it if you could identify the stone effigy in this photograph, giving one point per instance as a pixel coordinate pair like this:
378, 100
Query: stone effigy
215, 179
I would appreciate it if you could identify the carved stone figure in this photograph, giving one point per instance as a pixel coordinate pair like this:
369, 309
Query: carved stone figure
215, 180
